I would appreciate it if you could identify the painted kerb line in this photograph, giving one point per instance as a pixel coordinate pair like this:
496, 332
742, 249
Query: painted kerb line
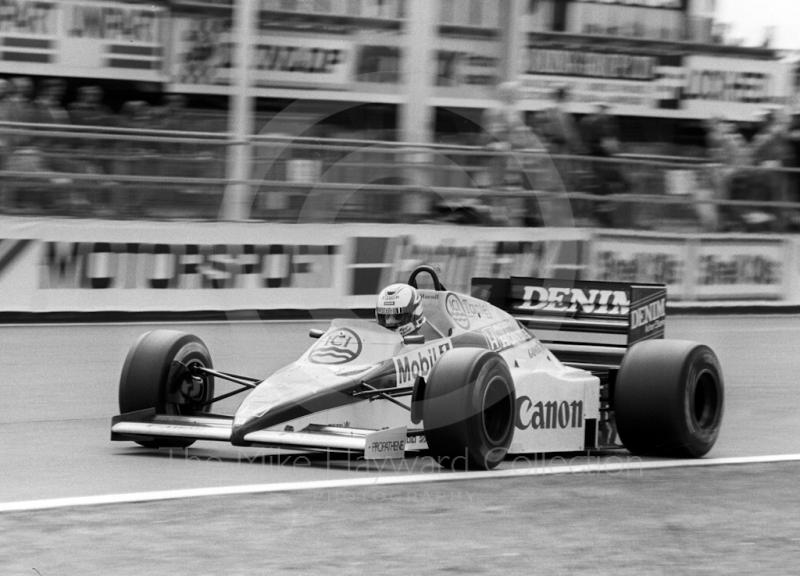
379, 481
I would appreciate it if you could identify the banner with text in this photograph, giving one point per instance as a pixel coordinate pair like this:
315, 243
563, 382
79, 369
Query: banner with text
742, 270
733, 88
63, 266
83, 38
697, 268
623, 78
203, 58
644, 259
468, 67
672, 85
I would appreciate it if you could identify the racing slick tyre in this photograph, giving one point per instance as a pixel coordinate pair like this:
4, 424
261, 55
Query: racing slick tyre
668, 398
468, 409
154, 375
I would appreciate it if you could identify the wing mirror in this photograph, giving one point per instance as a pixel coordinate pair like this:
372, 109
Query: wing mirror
414, 339
316, 333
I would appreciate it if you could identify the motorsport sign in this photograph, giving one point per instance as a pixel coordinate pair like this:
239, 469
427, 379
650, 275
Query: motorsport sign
82, 38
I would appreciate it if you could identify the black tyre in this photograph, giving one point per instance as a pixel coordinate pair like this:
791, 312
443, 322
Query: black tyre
468, 409
669, 398
154, 376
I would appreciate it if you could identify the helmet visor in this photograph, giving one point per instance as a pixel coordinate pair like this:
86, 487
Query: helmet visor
392, 318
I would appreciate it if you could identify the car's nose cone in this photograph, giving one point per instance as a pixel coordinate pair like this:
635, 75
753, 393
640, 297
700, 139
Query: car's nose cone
290, 394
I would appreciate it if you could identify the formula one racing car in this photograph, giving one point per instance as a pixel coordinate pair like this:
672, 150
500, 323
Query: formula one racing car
472, 386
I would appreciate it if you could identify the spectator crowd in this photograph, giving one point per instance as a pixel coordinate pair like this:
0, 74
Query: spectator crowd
754, 170
79, 167
61, 141
586, 154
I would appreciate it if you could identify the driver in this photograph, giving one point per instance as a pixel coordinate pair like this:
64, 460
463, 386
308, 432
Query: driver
399, 308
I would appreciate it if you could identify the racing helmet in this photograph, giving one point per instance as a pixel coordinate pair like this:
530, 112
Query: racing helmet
400, 308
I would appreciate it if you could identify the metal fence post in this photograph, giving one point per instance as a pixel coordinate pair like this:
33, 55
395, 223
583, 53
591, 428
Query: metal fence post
236, 202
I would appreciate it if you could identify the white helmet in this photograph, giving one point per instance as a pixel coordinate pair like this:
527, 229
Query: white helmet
400, 308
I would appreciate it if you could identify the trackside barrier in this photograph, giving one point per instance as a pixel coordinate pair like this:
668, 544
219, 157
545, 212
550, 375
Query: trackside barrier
237, 269
118, 172
151, 174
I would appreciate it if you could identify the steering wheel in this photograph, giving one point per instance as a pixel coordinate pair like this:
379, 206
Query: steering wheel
437, 285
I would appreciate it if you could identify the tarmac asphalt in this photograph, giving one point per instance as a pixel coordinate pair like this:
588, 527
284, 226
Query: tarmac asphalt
59, 391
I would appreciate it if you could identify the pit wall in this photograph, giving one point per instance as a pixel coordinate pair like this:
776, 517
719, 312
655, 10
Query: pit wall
71, 266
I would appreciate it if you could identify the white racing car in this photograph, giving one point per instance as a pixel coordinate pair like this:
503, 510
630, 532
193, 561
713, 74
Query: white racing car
474, 387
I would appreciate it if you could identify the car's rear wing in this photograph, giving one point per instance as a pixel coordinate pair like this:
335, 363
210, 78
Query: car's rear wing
586, 324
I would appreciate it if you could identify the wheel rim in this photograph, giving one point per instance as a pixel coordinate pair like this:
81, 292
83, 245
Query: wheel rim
706, 401
196, 397
497, 413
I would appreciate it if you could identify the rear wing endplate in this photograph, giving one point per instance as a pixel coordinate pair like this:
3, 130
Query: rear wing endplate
583, 322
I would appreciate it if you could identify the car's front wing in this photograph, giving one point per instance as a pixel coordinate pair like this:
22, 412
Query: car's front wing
146, 426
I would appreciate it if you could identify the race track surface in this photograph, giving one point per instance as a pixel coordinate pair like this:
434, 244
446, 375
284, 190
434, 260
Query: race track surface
59, 391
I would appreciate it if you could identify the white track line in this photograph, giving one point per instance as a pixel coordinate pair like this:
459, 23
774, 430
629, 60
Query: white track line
540, 470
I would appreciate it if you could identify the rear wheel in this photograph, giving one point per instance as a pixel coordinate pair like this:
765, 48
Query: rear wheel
468, 409
157, 374
668, 398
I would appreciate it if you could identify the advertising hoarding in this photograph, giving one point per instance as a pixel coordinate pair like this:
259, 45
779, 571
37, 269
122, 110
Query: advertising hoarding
83, 38
668, 85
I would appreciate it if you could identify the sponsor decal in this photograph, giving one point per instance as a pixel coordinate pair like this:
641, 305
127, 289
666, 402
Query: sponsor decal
416, 439
462, 309
338, 347
536, 350
551, 415
566, 299
476, 309
385, 444
388, 446
650, 316
419, 361
505, 335
456, 310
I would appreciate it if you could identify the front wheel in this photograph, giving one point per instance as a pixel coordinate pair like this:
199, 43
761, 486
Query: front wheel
468, 409
156, 374
668, 398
